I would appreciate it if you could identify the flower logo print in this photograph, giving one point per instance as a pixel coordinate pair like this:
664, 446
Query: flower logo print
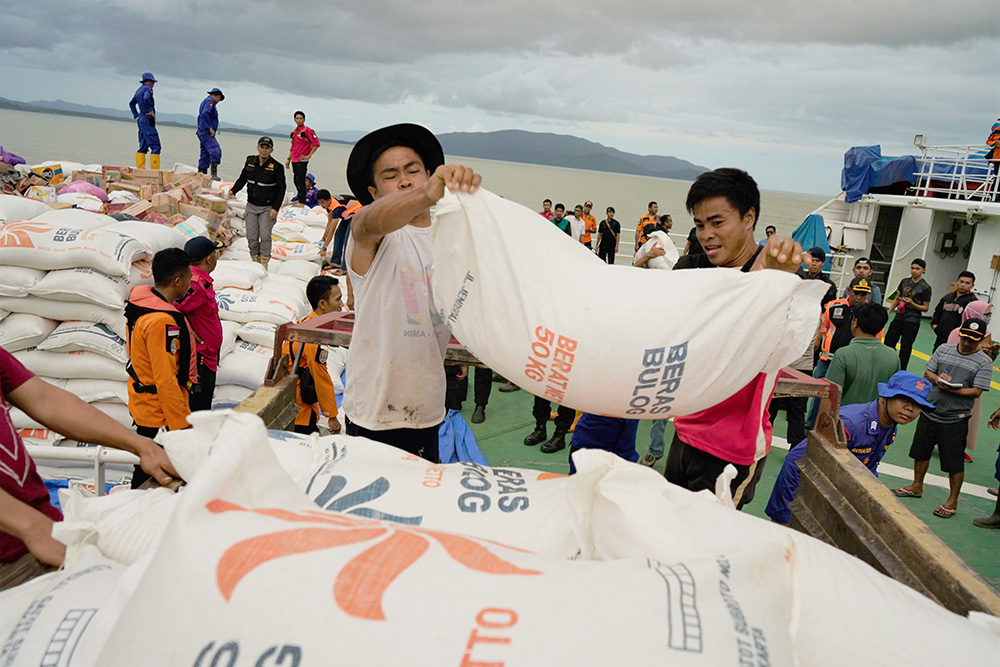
16, 234
361, 583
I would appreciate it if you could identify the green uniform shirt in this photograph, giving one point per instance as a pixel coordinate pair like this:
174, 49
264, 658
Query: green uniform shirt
859, 366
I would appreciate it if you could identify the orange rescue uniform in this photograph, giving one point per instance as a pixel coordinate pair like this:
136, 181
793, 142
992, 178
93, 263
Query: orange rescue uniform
643, 221
156, 349
314, 360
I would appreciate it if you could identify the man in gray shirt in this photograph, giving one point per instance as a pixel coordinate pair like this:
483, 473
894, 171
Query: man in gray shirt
959, 373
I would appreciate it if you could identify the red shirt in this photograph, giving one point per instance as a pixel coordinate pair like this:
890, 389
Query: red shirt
18, 475
202, 314
303, 140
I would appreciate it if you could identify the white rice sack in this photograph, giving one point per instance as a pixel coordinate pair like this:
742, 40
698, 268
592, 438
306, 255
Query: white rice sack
23, 330
632, 510
315, 216
229, 329
41, 437
230, 395
155, 237
496, 268
289, 226
15, 280
258, 333
82, 200
304, 251
14, 208
313, 234
336, 362
239, 228
117, 411
62, 618
75, 218
21, 421
288, 291
236, 208
192, 227
245, 307
224, 277
93, 391
89, 365
236, 253
246, 365
86, 337
43, 246
661, 240
289, 237
298, 269
122, 196
248, 266
93, 286
262, 545
182, 168
67, 310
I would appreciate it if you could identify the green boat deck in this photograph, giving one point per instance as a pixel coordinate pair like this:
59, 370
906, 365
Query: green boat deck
508, 421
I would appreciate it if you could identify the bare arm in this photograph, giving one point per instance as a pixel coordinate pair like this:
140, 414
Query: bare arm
971, 392
397, 209
31, 527
65, 413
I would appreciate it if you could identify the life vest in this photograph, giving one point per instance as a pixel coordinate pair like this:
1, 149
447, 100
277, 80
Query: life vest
142, 301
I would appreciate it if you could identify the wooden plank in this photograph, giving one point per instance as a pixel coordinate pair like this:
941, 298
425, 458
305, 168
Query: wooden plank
275, 404
840, 501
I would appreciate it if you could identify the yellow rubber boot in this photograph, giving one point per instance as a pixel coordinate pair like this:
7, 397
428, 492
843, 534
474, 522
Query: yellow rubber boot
154, 160
140, 160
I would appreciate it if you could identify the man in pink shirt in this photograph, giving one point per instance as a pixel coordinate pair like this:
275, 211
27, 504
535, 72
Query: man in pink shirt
202, 314
725, 204
27, 548
304, 144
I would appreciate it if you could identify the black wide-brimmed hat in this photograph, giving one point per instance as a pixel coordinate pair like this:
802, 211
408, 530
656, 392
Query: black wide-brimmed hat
362, 160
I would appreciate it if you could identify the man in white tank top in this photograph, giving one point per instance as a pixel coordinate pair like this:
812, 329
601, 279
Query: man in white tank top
395, 389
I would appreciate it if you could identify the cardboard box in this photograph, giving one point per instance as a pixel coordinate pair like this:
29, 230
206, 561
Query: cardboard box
95, 178
190, 209
127, 187
148, 191
117, 207
157, 218
52, 174
177, 219
211, 202
59, 206
166, 204
45, 193
138, 210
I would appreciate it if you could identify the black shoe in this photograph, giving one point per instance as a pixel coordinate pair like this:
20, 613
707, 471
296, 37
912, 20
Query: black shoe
479, 416
498, 378
536, 436
510, 386
992, 521
557, 442
215, 170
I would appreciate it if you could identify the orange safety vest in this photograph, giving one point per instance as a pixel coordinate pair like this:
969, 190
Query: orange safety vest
590, 225
314, 379
643, 221
162, 363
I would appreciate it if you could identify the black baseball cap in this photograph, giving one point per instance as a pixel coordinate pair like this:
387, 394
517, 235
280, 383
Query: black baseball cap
818, 253
919, 262
974, 329
267, 141
361, 163
200, 247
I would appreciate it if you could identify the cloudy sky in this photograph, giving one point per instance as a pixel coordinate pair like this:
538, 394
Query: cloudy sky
779, 87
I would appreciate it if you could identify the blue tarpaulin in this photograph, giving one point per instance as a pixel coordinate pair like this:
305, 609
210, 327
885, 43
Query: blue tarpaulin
456, 441
811, 234
865, 168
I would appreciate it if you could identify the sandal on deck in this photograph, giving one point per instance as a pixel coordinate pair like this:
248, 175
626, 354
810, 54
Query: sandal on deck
944, 512
906, 493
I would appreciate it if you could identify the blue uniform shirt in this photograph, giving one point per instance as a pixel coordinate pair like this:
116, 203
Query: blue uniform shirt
143, 98
866, 438
208, 115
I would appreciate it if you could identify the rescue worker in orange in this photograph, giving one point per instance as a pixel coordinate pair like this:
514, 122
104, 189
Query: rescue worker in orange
648, 219
314, 390
590, 224
162, 364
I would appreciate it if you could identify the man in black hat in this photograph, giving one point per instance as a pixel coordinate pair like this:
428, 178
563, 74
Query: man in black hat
913, 299
395, 389
208, 125
202, 314
265, 180
814, 258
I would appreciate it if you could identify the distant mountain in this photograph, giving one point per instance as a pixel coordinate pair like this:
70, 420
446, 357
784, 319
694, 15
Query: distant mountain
555, 150
564, 151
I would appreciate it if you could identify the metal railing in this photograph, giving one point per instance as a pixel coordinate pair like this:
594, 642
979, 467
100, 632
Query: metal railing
99, 456
956, 172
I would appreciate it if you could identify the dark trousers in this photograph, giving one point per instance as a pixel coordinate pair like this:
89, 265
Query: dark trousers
606, 254
299, 171
542, 409
311, 427
795, 415
695, 470
200, 397
340, 236
458, 390
903, 333
422, 442
139, 475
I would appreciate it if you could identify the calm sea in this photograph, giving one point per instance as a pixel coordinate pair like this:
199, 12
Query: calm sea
39, 137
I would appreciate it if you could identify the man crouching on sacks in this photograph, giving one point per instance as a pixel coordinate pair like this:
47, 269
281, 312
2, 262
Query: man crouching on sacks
725, 204
395, 389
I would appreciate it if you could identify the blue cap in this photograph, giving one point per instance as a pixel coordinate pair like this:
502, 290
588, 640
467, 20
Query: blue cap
200, 247
311, 178
904, 383
217, 91
147, 76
